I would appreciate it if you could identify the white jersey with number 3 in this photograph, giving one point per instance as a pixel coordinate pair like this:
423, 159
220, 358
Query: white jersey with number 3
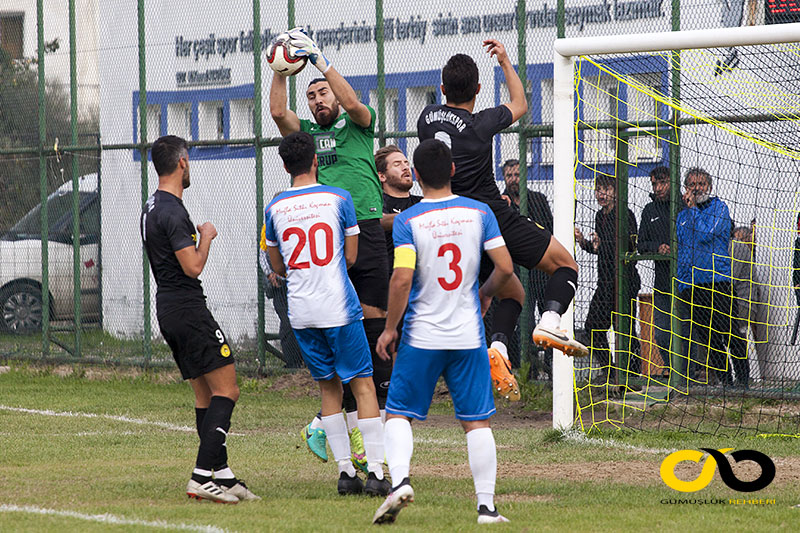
447, 237
309, 224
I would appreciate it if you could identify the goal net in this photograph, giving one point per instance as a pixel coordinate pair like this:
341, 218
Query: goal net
686, 186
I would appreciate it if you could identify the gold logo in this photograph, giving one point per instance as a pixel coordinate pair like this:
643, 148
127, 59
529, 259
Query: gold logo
716, 459
225, 351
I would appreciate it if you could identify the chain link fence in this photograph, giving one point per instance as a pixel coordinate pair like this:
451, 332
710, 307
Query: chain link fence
83, 99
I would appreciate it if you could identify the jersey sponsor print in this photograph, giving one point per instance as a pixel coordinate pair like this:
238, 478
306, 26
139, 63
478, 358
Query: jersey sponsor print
443, 240
309, 225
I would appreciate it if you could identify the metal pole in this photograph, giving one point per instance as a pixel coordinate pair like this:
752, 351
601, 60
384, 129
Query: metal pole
622, 327
522, 70
76, 228
43, 180
260, 340
563, 222
678, 365
147, 341
381, 72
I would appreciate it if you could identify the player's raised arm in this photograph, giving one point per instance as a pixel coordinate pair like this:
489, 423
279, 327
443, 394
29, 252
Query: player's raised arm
306, 46
518, 104
285, 118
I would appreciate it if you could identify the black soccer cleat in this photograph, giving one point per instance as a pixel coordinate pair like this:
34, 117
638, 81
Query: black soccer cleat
349, 485
377, 487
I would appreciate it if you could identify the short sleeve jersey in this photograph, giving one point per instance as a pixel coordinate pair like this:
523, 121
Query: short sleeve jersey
165, 228
469, 136
346, 160
447, 237
309, 224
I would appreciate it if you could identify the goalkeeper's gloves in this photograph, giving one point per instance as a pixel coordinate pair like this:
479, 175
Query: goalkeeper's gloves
306, 47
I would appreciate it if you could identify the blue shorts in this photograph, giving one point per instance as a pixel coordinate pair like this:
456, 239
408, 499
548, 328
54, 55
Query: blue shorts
342, 350
416, 372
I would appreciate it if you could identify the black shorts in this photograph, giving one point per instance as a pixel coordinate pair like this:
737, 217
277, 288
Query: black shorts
197, 342
370, 273
526, 240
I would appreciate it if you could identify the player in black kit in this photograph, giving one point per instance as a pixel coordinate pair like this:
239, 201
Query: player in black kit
197, 342
394, 171
469, 136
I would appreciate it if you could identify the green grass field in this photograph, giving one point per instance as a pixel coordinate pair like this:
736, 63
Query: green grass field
107, 450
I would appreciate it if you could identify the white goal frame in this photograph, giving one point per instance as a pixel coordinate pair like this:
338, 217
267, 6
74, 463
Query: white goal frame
565, 51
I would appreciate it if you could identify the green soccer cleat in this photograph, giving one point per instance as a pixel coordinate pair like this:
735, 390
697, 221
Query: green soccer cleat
359, 456
316, 440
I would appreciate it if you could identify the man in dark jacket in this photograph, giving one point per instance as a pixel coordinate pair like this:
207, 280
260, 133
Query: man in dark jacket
539, 212
654, 239
603, 242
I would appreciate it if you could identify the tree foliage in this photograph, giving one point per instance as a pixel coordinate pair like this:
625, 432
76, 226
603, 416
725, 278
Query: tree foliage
19, 129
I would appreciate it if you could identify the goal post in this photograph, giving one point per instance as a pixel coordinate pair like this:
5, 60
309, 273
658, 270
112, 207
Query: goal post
565, 142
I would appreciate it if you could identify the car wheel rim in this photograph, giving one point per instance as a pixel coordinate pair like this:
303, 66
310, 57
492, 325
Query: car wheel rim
22, 311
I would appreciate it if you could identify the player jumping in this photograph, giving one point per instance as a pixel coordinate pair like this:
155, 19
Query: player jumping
469, 135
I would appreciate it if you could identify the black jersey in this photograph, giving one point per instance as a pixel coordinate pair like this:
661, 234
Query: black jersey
393, 204
469, 136
166, 227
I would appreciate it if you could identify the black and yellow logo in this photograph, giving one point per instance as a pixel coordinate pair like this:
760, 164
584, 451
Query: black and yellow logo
225, 350
714, 459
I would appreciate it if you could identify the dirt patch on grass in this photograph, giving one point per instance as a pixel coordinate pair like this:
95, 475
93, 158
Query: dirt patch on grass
295, 385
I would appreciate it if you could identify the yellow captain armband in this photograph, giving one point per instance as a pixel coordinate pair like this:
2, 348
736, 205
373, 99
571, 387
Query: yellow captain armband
405, 258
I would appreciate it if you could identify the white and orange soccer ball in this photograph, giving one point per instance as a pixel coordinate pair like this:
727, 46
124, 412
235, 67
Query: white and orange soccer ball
282, 59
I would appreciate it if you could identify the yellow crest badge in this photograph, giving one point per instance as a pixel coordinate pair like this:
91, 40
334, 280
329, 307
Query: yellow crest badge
225, 350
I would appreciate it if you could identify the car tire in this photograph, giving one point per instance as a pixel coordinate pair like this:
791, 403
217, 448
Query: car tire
21, 309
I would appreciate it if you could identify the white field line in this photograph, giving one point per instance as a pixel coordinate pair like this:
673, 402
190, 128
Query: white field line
107, 518
70, 414
580, 438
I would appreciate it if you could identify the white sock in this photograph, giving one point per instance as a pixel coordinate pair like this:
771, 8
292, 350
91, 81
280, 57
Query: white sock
483, 463
352, 421
315, 424
372, 432
399, 444
383, 416
550, 320
336, 430
225, 473
500, 347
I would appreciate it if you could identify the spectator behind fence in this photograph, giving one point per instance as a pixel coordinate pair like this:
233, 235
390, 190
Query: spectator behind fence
538, 212
750, 301
704, 280
603, 242
654, 238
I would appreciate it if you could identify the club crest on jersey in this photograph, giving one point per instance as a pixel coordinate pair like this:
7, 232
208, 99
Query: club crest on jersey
225, 350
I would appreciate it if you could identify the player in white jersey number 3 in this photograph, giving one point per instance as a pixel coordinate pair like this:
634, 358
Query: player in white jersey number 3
438, 246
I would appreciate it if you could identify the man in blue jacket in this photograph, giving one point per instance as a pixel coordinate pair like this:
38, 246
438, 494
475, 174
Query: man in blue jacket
704, 277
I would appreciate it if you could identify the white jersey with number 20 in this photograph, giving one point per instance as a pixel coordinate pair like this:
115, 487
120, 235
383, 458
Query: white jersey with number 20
309, 225
447, 236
